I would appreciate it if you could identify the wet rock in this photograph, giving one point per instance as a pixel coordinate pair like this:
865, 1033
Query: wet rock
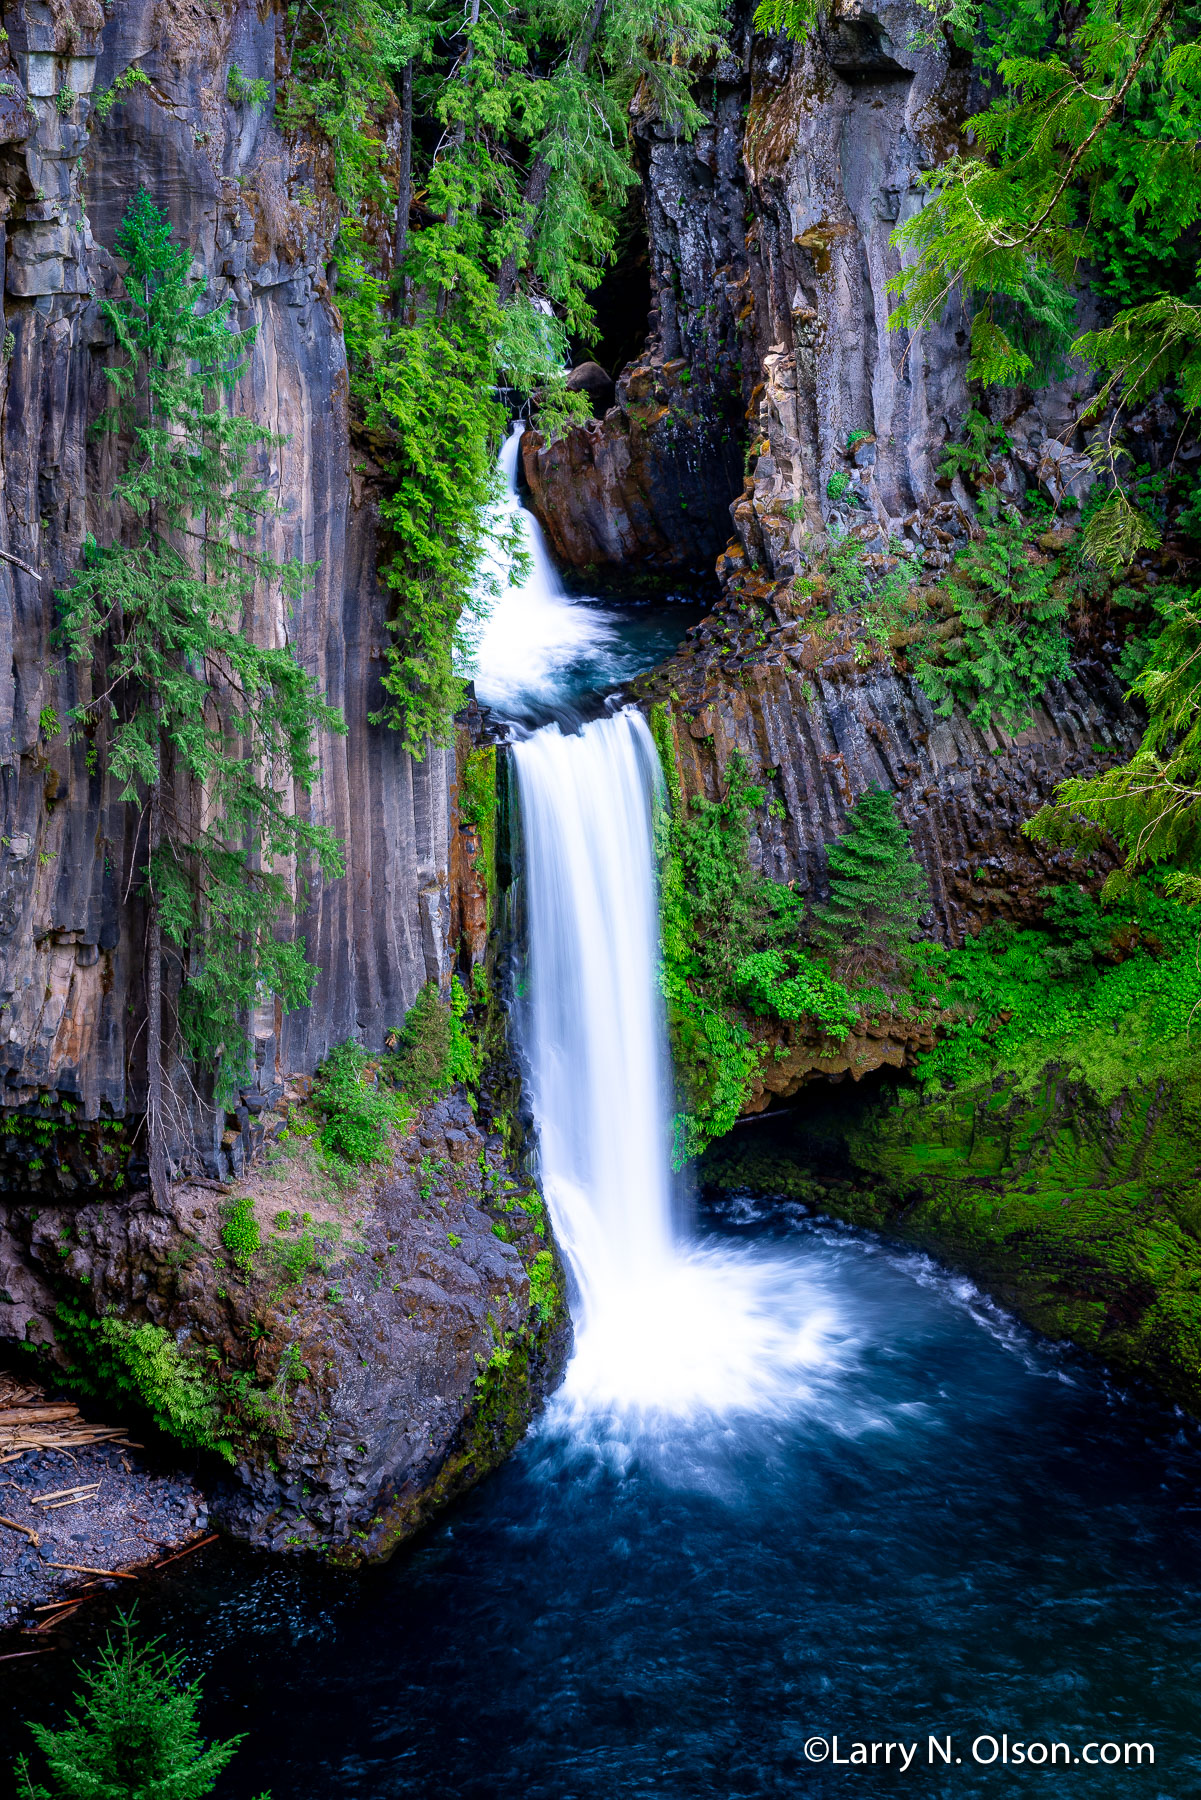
589, 378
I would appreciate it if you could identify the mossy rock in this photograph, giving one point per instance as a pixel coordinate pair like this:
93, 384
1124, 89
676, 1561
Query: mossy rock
1082, 1216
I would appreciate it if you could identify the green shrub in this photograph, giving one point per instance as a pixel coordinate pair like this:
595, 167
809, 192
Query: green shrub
245, 91
357, 1112
114, 1355
134, 1734
107, 98
240, 1233
794, 987
433, 1047
1011, 640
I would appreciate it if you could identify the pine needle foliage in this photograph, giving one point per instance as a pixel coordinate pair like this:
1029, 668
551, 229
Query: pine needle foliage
209, 735
134, 1734
1083, 166
1150, 805
878, 891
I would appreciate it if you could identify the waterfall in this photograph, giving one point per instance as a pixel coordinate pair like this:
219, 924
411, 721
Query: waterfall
595, 1018
534, 635
665, 1323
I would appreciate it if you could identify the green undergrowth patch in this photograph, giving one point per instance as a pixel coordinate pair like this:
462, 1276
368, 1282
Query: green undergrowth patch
189, 1394
1098, 992
477, 809
357, 1111
739, 948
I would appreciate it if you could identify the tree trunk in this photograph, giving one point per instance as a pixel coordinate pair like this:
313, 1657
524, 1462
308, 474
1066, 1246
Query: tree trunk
155, 1130
538, 179
404, 192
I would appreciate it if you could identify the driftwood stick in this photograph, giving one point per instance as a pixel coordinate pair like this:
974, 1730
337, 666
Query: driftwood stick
13, 1525
198, 1545
83, 1569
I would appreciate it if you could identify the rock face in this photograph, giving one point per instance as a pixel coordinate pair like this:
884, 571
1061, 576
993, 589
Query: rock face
771, 386
378, 1384
366, 1384
70, 946
817, 731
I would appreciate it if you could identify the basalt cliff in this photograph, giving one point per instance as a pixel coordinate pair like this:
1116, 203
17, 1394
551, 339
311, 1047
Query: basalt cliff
372, 1355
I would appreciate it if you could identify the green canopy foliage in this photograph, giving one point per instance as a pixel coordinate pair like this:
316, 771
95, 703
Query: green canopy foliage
1150, 805
465, 256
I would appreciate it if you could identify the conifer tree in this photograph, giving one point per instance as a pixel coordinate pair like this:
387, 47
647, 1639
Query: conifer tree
134, 1735
878, 892
208, 734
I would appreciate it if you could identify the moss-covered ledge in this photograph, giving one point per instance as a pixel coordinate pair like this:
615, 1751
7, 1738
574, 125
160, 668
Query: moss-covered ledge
1082, 1216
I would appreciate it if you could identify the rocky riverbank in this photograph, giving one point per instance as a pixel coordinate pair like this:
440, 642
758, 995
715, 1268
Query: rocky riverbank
344, 1357
78, 1501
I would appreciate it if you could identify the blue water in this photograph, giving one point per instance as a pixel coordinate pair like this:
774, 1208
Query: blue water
950, 1527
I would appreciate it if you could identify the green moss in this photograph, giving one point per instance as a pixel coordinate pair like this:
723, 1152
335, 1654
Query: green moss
477, 809
1082, 1214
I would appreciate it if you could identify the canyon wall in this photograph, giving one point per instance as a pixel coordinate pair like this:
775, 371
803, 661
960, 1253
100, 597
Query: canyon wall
358, 1403
246, 200
769, 365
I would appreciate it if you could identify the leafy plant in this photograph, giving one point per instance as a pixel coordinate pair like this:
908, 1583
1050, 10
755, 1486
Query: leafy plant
795, 987
113, 1355
134, 1734
838, 486
433, 1049
357, 1112
240, 1232
1011, 640
979, 443
1099, 995
246, 91
106, 99
791, 18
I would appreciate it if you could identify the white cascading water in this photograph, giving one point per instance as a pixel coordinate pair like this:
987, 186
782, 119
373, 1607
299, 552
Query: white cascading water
664, 1324
533, 631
